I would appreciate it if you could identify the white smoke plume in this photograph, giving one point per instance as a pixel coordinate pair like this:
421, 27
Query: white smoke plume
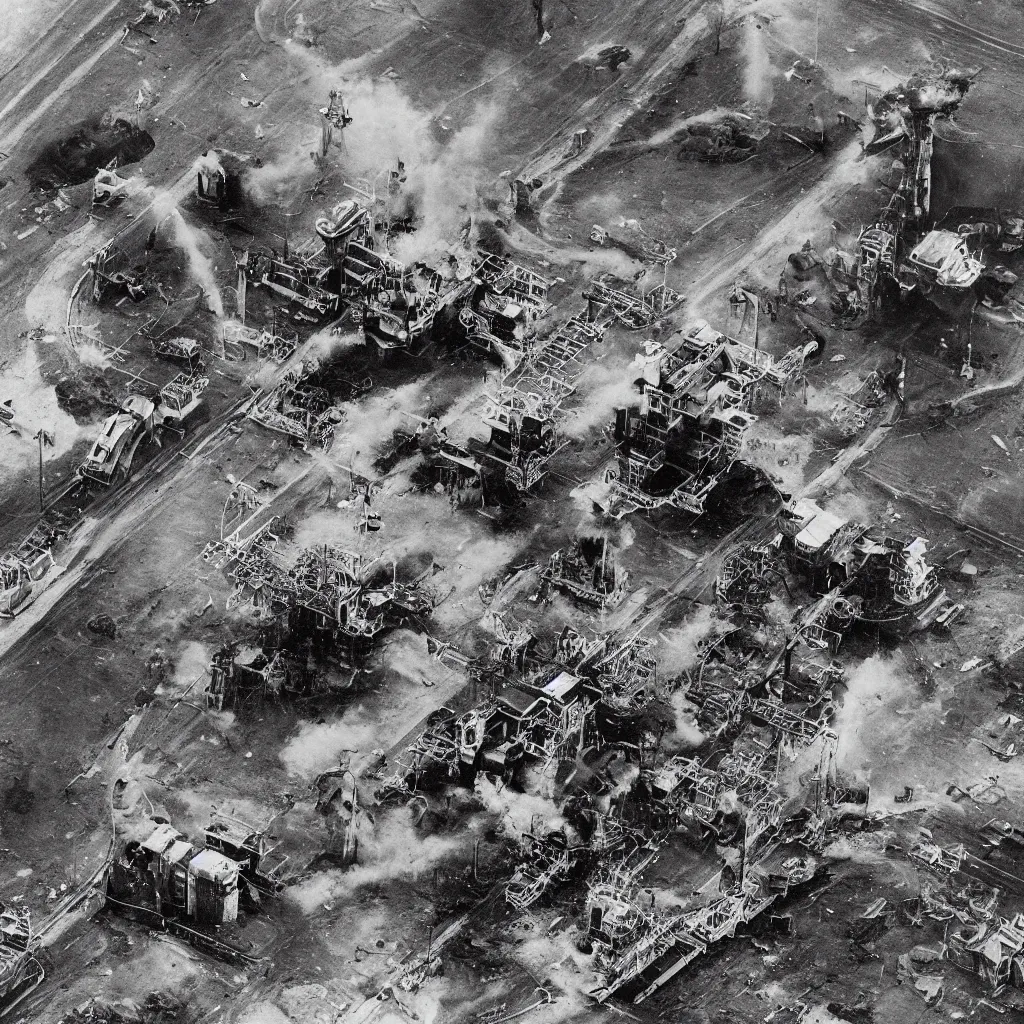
687, 734
373, 419
518, 812
317, 747
445, 189
567, 973
285, 174
90, 354
188, 239
677, 651
865, 721
601, 389
892, 734
445, 164
406, 655
757, 65
34, 403
392, 849
325, 344
191, 664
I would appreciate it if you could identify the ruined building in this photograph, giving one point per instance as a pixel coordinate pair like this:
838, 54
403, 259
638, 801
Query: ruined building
323, 592
688, 428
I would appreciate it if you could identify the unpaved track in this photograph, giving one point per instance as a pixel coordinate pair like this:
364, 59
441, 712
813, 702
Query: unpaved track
66, 54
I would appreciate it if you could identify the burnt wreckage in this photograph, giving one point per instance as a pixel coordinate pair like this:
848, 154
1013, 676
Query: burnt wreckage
904, 249
587, 571
347, 267
541, 709
580, 718
20, 971
488, 300
688, 430
585, 705
322, 592
523, 411
196, 892
857, 573
575, 712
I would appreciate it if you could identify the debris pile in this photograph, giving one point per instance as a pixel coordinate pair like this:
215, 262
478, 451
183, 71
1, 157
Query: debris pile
688, 430
323, 592
299, 409
587, 572
138, 419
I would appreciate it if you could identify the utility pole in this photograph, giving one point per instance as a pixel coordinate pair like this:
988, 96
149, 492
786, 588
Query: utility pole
44, 437
40, 437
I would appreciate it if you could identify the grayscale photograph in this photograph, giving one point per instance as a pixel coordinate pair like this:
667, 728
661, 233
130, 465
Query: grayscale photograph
511, 510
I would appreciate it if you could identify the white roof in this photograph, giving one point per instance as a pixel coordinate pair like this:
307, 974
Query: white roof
561, 685
820, 530
213, 865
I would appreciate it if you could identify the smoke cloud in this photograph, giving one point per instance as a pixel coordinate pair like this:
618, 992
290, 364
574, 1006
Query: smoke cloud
188, 239
319, 746
601, 389
520, 812
678, 648
392, 849
757, 65
191, 664
687, 735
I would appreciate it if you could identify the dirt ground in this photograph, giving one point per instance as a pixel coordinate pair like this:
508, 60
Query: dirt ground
466, 97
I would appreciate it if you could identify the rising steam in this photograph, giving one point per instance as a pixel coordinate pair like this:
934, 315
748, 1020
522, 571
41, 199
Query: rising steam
187, 239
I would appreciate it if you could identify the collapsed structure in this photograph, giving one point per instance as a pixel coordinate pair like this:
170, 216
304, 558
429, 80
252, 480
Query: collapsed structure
860, 574
322, 592
688, 430
522, 412
299, 409
22, 569
20, 970
542, 708
904, 250
583, 714
587, 572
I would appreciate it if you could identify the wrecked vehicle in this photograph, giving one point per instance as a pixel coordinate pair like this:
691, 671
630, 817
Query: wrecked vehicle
731, 138
299, 408
646, 947
108, 188
587, 572
137, 420
942, 258
887, 580
20, 971
211, 178
985, 226
22, 569
186, 351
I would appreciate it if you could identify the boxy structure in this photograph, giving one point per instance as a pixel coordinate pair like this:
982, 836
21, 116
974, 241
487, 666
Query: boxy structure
694, 410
